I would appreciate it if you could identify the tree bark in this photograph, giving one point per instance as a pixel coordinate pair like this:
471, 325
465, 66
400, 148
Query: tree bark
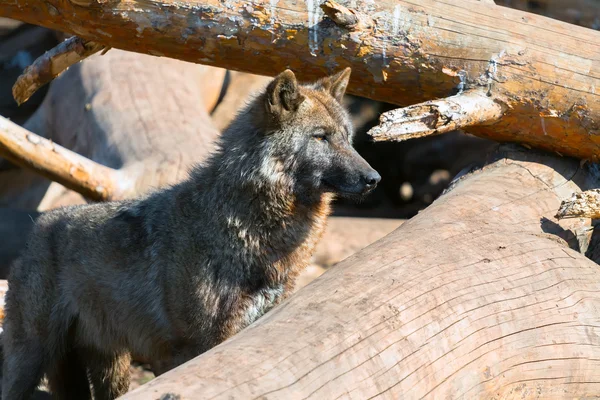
546, 72
478, 296
581, 205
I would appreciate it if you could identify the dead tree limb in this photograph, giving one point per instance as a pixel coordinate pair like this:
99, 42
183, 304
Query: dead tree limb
438, 116
478, 296
402, 52
51, 64
581, 205
61, 165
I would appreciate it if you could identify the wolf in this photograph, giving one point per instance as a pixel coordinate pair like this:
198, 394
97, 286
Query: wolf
168, 276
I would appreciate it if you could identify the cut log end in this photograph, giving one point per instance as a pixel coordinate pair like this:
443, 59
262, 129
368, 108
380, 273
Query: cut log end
438, 116
51, 64
581, 205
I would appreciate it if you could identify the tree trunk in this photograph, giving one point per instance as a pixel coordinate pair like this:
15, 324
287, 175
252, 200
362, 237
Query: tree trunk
546, 72
478, 296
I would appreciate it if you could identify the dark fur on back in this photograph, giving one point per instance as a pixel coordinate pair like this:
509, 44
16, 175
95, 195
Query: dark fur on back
168, 276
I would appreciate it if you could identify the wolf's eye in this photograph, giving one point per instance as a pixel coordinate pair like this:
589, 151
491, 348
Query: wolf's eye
321, 137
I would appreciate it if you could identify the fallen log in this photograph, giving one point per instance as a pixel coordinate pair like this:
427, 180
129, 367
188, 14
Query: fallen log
478, 296
545, 72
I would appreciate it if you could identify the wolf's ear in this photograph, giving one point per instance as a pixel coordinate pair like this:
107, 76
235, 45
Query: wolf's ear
283, 94
337, 84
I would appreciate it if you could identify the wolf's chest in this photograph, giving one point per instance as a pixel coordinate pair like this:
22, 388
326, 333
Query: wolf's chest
259, 303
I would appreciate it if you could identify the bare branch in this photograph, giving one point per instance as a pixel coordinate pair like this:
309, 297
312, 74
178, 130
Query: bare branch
51, 64
581, 205
76, 172
438, 116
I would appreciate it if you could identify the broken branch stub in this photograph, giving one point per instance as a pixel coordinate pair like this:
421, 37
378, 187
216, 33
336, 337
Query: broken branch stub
51, 64
438, 116
92, 180
581, 205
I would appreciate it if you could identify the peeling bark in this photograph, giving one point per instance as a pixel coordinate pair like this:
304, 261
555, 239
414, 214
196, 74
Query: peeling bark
408, 52
438, 116
478, 296
581, 205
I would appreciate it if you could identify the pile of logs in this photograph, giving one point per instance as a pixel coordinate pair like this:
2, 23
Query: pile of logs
492, 291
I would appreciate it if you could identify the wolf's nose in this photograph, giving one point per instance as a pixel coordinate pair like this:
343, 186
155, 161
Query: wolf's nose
371, 180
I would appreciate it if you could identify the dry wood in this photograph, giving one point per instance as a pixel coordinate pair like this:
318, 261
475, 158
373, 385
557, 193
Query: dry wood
438, 116
75, 172
478, 296
547, 71
581, 205
51, 64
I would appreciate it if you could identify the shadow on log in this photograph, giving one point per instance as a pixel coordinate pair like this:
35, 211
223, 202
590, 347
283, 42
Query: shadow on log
480, 295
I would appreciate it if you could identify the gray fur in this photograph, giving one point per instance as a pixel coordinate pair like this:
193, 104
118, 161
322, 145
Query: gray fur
170, 275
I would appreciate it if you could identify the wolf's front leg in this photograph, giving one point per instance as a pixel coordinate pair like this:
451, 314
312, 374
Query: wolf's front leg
179, 355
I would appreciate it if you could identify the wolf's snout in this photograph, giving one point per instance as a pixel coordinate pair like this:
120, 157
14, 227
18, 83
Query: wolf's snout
371, 179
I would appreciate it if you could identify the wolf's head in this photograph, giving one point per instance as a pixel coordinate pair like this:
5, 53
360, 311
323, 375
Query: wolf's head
307, 137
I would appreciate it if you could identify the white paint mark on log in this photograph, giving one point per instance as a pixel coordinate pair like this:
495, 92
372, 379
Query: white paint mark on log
314, 13
396, 20
544, 126
462, 75
273, 4
100, 31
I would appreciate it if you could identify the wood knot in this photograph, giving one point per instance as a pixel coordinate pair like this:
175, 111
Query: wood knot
342, 16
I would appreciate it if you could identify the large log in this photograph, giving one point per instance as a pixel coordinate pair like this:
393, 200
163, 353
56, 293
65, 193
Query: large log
478, 296
545, 72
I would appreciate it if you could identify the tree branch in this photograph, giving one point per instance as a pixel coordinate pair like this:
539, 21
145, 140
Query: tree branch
51, 64
439, 116
73, 171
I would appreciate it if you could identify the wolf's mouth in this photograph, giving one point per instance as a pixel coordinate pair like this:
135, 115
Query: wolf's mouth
353, 193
